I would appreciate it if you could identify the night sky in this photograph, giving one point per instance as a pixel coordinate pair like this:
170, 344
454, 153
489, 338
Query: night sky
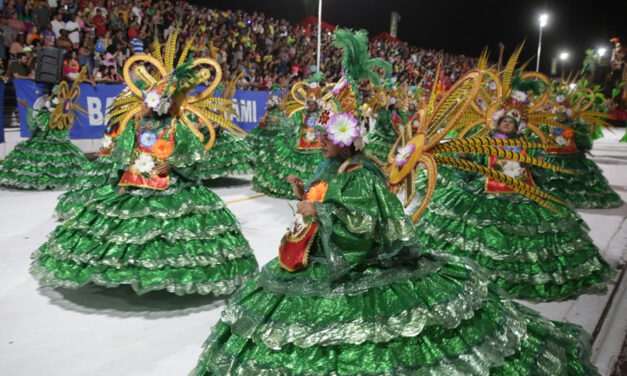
467, 26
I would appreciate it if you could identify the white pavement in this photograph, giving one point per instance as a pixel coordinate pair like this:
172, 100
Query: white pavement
113, 332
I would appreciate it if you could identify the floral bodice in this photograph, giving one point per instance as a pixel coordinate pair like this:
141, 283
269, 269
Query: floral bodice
307, 138
154, 144
513, 169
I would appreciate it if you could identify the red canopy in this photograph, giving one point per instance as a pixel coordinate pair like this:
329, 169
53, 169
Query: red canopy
312, 21
386, 37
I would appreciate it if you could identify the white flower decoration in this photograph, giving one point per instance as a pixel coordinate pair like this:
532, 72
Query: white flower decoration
569, 112
343, 129
107, 141
144, 164
403, 154
153, 99
313, 85
519, 96
310, 136
560, 98
561, 140
360, 142
512, 169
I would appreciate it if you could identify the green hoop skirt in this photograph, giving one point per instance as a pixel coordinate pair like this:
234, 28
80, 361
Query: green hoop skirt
229, 156
260, 138
183, 240
586, 189
529, 251
279, 161
434, 315
48, 161
95, 175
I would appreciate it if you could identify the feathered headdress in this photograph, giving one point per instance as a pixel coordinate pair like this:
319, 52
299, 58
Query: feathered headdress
341, 117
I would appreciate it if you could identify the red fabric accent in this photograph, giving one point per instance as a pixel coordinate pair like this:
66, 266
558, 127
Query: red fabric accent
571, 148
385, 37
294, 250
136, 180
493, 186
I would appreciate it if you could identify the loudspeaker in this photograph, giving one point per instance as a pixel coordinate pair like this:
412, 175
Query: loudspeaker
49, 65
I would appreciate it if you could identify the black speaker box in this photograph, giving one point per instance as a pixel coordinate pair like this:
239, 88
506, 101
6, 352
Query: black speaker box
49, 65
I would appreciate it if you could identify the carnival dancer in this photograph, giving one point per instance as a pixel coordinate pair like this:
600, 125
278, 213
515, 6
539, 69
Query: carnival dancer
48, 159
296, 150
352, 293
390, 119
579, 109
269, 128
533, 251
155, 227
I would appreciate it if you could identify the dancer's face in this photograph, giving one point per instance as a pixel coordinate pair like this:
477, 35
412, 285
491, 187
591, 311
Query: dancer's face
506, 126
329, 149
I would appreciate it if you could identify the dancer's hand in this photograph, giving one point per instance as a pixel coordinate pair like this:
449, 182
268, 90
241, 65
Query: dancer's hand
162, 168
307, 209
297, 186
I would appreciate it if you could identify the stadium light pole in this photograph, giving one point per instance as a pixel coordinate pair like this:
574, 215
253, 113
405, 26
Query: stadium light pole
543, 20
563, 57
319, 35
601, 51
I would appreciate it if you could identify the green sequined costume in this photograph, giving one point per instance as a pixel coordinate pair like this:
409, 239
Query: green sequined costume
229, 156
293, 152
165, 232
587, 188
531, 252
48, 160
381, 139
372, 303
95, 174
263, 135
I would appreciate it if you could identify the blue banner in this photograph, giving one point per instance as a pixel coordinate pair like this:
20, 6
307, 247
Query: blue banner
250, 106
2, 86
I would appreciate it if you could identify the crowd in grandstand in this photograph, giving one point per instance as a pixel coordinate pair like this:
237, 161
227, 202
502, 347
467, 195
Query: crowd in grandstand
103, 34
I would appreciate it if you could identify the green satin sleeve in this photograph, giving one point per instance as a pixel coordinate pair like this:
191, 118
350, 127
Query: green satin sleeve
124, 144
360, 221
582, 136
188, 148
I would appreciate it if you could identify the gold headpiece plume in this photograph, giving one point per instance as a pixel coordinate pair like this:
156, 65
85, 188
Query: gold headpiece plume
64, 113
209, 110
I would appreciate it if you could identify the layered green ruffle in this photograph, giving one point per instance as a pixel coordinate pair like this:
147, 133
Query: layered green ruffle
379, 145
260, 138
49, 162
230, 155
95, 174
276, 163
586, 189
529, 251
445, 320
183, 240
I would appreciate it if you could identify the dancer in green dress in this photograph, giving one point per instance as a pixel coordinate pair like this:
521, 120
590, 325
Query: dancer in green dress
296, 150
586, 187
47, 160
352, 293
390, 119
155, 227
269, 128
533, 251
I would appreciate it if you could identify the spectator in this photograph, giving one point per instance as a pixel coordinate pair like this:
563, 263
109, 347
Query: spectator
73, 29
41, 13
16, 24
84, 59
137, 46
18, 45
20, 68
33, 35
3, 46
71, 67
63, 41
57, 25
49, 37
112, 75
100, 23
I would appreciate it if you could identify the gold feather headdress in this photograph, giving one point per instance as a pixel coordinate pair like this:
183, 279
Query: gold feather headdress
424, 147
204, 106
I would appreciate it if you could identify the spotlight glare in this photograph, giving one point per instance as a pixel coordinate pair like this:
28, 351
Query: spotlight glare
544, 19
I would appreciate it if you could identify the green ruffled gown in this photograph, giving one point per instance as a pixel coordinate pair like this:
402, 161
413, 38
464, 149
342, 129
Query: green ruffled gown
95, 175
48, 160
381, 139
371, 302
229, 156
587, 188
166, 232
295, 151
531, 252
264, 134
